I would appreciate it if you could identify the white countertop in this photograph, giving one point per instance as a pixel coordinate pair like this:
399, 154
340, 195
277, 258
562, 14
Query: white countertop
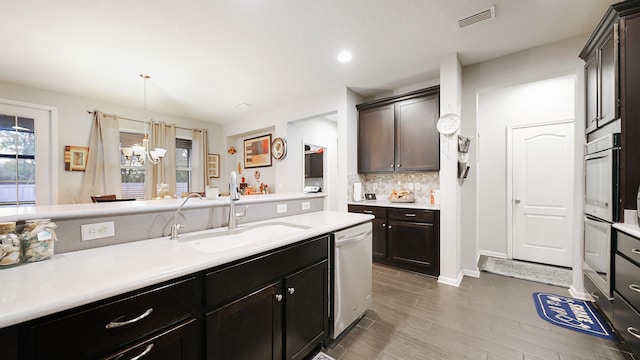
21, 213
387, 203
631, 229
72, 279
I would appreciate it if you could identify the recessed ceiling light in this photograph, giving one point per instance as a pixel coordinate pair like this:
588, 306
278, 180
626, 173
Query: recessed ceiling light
243, 106
345, 56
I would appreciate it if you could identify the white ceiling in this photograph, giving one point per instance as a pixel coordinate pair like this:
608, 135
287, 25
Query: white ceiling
206, 57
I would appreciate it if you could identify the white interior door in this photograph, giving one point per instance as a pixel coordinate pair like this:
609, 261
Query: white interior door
542, 193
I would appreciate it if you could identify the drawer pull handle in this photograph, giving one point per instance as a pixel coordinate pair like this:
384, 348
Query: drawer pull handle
117, 324
633, 331
635, 251
634, 287
368, 212
410, 215
594, 295
145, 352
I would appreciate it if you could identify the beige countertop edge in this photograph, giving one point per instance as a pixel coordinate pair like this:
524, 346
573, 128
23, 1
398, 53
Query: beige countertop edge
387, 203
631, 229
68, 280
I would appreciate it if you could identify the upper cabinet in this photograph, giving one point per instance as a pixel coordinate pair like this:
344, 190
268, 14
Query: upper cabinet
399, 133
613, 89
601, 80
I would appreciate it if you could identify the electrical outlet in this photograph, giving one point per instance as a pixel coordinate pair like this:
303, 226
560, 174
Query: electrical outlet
306, 205
97, 230
417, 186
281, 208
410, 186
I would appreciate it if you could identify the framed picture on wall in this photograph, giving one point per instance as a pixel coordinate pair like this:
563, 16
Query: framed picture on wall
75, 158
257, 152
213, 165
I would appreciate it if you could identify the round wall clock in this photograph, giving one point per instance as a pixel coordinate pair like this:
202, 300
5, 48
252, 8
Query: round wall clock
278, 148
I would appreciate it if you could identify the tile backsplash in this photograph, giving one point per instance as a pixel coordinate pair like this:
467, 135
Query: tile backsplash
420, 183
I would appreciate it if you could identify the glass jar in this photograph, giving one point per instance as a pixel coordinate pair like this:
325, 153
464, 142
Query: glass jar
37, 240
9, 245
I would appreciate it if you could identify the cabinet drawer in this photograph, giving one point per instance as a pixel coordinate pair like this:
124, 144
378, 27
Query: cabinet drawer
627, 323
86, 334
628, 246
601, 300
377, 211
234, 281
177, 342
627, 281
412, 215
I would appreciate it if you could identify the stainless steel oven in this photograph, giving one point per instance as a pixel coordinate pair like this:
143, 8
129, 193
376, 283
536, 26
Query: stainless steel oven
598, 253
602, 208
602, 178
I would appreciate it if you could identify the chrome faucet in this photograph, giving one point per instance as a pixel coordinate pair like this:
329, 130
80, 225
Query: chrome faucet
175, 227
234, 195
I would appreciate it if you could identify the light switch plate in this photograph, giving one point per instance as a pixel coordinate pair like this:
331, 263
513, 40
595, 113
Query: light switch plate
306, 205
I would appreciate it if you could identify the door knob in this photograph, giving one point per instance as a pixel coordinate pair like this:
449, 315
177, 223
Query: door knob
517, 201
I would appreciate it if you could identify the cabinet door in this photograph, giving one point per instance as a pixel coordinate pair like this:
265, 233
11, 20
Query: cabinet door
376, 140
608, 81
307, 165
412, 243
306, 310
379, 248
179, 342
248, 328
317, 165
591, 93
417, 138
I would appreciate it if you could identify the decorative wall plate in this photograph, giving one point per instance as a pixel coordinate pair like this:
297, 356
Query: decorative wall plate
278, 148
448, 124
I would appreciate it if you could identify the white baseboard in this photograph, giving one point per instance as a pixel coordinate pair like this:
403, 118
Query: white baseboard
451, 281
579, 294
473, 273
492, 254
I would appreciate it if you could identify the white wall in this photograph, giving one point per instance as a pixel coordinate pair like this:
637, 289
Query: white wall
483, 208
74, 125
289, 173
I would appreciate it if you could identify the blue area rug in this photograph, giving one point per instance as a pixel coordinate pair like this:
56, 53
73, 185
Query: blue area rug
574, 314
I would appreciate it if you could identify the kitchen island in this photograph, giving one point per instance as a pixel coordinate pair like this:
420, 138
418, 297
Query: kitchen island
74, 288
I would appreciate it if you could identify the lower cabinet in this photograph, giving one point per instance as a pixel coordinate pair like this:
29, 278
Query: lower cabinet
272, 305
404, 237
626, 309
284, 317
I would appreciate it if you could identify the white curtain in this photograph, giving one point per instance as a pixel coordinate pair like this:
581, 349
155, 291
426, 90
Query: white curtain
102, 175
164, 136
199, 151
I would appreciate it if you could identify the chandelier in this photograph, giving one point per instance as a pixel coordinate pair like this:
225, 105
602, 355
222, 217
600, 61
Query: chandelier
142, 151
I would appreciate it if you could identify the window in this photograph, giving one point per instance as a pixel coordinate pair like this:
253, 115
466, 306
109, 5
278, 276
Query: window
183, 165
17, 161
131, 170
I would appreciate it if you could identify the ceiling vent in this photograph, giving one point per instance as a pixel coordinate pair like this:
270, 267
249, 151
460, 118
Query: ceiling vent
486, 14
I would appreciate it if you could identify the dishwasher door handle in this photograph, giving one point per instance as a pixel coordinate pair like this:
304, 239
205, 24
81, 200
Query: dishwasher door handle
351, 239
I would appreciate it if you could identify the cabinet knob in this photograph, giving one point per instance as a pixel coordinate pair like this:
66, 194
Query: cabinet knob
279, 297
291, 290
398, 165
391, 166
389, 227
384, 225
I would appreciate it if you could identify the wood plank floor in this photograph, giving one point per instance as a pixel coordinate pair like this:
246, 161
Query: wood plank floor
490, 318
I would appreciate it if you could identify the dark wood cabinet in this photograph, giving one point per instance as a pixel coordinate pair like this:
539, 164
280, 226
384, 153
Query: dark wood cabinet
275, 305
613, 89
626, 303
399, 133
405, 238
107, 327
314, 165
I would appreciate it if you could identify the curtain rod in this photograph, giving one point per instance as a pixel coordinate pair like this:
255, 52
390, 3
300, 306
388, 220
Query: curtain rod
136, 120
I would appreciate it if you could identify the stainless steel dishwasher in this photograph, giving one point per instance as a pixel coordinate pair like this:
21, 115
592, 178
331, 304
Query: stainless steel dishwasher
351, 276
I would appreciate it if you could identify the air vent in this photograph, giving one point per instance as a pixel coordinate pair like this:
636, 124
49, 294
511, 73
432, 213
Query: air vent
486, 14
